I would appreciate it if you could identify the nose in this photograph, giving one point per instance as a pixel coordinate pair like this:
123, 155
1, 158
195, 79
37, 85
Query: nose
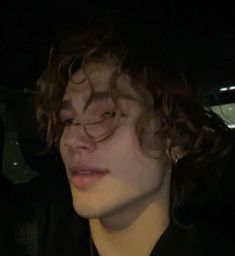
75, 139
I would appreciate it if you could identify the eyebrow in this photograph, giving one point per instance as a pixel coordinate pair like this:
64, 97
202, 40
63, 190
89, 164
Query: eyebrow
67, 104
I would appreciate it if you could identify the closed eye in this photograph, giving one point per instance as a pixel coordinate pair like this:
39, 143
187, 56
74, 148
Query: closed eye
109, 114
112, 114
67, 122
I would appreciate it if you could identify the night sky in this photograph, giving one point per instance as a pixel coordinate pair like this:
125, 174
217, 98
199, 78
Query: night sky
206, 35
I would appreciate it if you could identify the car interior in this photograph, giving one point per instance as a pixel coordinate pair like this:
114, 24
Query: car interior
34, 191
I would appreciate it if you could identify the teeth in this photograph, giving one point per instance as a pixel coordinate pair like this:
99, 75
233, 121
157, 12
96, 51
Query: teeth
86, 172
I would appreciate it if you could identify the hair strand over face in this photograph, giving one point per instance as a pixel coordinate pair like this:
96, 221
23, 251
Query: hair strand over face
166, 96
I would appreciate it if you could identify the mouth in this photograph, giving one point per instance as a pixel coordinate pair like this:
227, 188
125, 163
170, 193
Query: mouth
85, 177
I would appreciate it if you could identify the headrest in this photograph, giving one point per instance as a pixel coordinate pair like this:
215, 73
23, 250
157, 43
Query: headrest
32, 144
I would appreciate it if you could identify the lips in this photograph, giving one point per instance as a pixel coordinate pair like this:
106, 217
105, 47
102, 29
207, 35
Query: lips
84, 177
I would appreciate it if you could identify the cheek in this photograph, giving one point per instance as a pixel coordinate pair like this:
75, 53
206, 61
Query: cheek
62, 147
125, 145
130, 164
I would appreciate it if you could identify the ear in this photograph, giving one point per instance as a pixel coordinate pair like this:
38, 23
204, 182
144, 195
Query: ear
174, 153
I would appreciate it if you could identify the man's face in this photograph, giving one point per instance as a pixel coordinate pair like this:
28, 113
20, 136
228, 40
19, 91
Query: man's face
111, 175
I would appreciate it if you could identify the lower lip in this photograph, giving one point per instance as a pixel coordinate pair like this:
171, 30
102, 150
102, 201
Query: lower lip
83, 181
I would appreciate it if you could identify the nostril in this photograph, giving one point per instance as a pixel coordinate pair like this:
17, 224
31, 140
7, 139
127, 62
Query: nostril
75, 138
76, 144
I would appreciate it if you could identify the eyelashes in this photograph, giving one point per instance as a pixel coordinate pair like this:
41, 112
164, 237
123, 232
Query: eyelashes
112, 114
109, 115
66, 122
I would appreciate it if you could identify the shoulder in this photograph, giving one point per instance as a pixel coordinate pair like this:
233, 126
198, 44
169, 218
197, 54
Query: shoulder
198, 240
201, 240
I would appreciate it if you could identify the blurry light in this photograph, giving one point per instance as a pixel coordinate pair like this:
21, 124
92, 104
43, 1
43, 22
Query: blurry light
14, 142
223, 89
15, 164
230, 109
231, 126
227, 88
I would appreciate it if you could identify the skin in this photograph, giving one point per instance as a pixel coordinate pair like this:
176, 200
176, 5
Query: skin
128, 209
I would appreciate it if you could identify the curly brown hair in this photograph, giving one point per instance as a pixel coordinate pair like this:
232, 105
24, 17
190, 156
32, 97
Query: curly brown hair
182, 117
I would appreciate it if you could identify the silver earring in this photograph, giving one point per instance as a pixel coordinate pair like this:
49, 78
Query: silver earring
175, 161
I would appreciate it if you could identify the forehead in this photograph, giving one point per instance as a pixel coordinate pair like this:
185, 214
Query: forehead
99, 75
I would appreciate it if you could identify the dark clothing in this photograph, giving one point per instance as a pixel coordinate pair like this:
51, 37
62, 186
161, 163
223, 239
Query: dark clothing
72, 239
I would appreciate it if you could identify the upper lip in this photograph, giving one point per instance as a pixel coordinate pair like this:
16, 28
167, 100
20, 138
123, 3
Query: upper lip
75, 170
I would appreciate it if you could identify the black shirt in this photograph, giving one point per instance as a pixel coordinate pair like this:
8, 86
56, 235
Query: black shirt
73, 239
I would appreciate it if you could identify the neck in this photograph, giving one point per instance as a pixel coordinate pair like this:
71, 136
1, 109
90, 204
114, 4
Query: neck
134, 230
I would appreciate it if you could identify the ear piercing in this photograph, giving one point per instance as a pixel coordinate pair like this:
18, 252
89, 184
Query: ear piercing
175, 161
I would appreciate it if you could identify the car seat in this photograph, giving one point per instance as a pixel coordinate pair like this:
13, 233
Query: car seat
29, 211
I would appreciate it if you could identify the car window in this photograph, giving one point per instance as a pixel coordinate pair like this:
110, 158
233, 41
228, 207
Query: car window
227, 113
222, 102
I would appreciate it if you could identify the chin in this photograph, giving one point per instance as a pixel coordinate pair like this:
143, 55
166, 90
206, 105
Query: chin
87, 211
90, 205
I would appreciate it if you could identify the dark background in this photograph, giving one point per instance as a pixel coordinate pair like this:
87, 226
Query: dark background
205, 35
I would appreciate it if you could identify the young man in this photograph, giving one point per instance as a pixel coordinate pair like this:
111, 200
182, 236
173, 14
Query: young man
135, 140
